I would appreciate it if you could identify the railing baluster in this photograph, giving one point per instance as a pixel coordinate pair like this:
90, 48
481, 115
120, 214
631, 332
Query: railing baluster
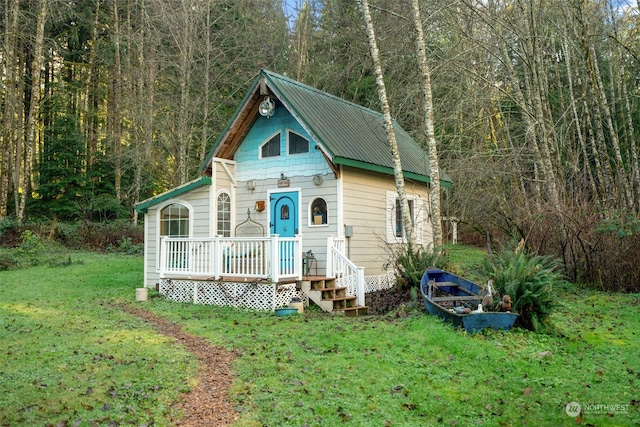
234, 257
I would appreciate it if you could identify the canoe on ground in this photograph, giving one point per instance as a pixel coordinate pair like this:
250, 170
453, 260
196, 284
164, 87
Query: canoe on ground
456, 299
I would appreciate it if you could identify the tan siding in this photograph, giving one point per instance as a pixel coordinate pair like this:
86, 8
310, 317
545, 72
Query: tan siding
365, 209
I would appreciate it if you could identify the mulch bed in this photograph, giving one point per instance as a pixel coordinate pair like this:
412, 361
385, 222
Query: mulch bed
208, 404
384, 301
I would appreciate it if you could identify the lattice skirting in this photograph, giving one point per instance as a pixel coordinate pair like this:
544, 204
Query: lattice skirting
257, 296
380, 282
371, 283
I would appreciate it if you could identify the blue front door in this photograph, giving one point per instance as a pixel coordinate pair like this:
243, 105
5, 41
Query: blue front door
284, 222
284, 213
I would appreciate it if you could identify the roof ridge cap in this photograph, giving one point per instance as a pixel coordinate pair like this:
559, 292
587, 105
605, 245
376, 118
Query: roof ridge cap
321, 92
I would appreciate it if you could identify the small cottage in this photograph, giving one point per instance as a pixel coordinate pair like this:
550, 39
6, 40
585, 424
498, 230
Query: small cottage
296, 199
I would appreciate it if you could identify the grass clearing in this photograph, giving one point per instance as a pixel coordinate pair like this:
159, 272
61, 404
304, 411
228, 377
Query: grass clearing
69, 356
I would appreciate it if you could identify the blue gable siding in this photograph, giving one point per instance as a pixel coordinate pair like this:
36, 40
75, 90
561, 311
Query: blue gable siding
249, 165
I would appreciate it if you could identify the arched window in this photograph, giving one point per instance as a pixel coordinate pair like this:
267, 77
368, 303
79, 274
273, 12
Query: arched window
318, 212
224, 215
174, 221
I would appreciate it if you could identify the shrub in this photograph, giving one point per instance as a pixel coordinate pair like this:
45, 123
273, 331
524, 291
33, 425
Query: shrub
127, 246
412, 261
7, 261
529, 280
10, 230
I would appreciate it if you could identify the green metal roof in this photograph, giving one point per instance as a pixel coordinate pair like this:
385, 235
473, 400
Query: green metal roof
348, 133
144, 205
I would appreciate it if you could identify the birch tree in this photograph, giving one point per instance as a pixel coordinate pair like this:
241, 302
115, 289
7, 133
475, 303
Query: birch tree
432, 149
388, 124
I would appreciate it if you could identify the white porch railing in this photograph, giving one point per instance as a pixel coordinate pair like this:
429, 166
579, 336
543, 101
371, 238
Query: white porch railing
273, 257
341, 268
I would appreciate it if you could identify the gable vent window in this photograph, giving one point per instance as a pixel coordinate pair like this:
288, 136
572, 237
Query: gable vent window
271, 148
297, 144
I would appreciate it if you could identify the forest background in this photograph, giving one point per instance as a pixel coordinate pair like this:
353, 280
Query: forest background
536, 105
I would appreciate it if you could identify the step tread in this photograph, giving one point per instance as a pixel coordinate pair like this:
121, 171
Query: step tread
357, 307
339, 288
345, 298
353, 311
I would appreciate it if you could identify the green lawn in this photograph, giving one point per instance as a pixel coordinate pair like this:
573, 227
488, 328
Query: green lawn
69, 357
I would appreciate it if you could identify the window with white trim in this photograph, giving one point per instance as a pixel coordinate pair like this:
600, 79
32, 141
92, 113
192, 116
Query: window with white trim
223, 211
396, 232
174, 221
318, 214
297, 143
400, 230
271, 147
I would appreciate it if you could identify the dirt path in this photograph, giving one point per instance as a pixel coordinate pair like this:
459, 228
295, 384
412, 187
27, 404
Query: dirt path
208, 403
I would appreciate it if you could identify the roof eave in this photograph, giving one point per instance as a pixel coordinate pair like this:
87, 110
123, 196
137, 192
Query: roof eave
143, 206
224, 133
386, 170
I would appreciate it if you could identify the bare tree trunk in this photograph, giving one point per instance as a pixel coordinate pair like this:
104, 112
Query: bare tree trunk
576, 118
536, 89
623, 183
117, 97
302, 42
9, 54
388, 124
634, 178
186, 55
88, 123
36, 67
206, 83
434, 163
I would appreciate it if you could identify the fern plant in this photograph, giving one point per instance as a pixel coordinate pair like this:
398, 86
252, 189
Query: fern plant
529, 280
412, 261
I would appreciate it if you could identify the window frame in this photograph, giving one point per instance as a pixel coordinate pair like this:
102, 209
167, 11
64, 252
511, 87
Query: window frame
418, 217
311, 220
159, 234
278, 133
218, 214
180, 219
291, 132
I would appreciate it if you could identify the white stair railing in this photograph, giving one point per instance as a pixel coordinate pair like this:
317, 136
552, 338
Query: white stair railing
343, 269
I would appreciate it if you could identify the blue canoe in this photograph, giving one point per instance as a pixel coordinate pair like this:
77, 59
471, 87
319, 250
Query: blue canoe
454, 290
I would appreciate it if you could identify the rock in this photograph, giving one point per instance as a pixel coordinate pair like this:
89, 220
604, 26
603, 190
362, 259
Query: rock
543, 355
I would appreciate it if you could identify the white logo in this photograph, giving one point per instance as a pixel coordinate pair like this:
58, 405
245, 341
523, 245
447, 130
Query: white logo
572, 409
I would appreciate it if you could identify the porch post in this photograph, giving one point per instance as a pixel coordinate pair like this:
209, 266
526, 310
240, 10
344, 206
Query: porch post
217, 257
163, 256
329, 262
360, 286
275, 258
297, 253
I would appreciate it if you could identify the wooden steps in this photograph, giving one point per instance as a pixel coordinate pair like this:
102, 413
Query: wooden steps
330, 297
